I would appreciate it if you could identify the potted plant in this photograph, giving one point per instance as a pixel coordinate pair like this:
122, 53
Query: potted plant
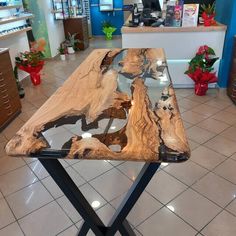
62, 51
32, 61
71, 42
201, 69
208, 14
108, 29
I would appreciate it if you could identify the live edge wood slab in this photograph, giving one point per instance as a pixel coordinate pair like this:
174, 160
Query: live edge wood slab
127, 85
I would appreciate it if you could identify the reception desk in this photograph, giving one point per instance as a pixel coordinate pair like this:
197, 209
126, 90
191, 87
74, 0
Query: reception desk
179, 43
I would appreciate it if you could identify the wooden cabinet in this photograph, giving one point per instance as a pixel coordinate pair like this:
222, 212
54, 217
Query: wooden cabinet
232, 80
10, 104
78, 25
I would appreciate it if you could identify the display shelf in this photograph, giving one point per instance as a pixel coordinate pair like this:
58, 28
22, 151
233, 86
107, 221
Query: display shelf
15, 33
15, 18
10, 7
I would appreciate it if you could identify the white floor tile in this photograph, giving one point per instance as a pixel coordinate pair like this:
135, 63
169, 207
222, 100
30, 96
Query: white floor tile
194, 209
187, 172
165, 223
144, 207
131, 169
223, 225
165, 187
48, 220
90, 169
11, 230
69, 209
111, 184
216, 189
6, 216
10, 163
17, 179
227, 170
71, 231
39, 170
52, 187
28, 199
207, 157
232, 207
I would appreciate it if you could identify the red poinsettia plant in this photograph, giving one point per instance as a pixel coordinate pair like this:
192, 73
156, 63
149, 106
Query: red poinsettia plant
201, 69
208, 14
32, 61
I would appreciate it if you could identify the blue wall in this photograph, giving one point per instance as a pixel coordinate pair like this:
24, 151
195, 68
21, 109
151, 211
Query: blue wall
226, 14
97, 17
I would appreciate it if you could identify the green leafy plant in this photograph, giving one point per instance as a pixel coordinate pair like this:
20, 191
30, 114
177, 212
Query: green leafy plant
209, 9
62, 50
72, 41
108, 29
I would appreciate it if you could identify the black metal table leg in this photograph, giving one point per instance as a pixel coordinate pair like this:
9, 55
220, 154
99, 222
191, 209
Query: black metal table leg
63, 180
132, 196
83, 229
92, 221
126, 230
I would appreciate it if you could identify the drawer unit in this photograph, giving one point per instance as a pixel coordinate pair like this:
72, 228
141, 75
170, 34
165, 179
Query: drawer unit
10, 104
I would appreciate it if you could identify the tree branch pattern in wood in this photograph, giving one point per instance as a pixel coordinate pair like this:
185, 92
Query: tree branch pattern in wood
92, 95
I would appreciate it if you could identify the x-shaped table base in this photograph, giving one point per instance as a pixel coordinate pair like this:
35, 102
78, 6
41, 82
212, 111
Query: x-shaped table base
91, 219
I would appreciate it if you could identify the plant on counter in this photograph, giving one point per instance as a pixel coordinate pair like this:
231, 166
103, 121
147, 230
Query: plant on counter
108, 29
72, 42
63, 51
201, 69
32, 61
208, 14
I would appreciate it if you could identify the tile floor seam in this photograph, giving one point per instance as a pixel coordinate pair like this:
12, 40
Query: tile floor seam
191, 187
195, 124
96, 176
11, 212
34, 210
164, 206
203, 144
12, 170
210, 221
22, 188
68, 228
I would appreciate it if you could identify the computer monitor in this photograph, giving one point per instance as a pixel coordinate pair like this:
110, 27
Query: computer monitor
154, 5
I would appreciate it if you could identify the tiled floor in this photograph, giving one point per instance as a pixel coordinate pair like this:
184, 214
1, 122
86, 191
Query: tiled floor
193, 198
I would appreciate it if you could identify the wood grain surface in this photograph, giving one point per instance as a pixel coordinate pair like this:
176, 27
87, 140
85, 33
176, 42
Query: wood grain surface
152, 132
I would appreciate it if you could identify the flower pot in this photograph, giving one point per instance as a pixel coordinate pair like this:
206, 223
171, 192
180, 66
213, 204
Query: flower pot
201, 89
34, 72
35, 78
71, 50
63, 57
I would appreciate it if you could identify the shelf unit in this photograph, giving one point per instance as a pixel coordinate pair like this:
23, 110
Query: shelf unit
10, 7
15, 18
64, 9
15, 33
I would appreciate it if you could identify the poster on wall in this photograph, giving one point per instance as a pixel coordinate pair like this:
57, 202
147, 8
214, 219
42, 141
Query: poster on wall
106, 5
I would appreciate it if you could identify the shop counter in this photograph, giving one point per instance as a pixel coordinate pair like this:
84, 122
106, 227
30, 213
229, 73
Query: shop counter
179, 43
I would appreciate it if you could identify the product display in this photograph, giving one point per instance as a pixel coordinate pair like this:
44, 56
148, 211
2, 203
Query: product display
15, 29
190, 15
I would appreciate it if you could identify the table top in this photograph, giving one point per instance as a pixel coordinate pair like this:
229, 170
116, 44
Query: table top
119, 104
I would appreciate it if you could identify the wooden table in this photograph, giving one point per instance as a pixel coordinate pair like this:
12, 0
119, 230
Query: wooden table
118, 105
